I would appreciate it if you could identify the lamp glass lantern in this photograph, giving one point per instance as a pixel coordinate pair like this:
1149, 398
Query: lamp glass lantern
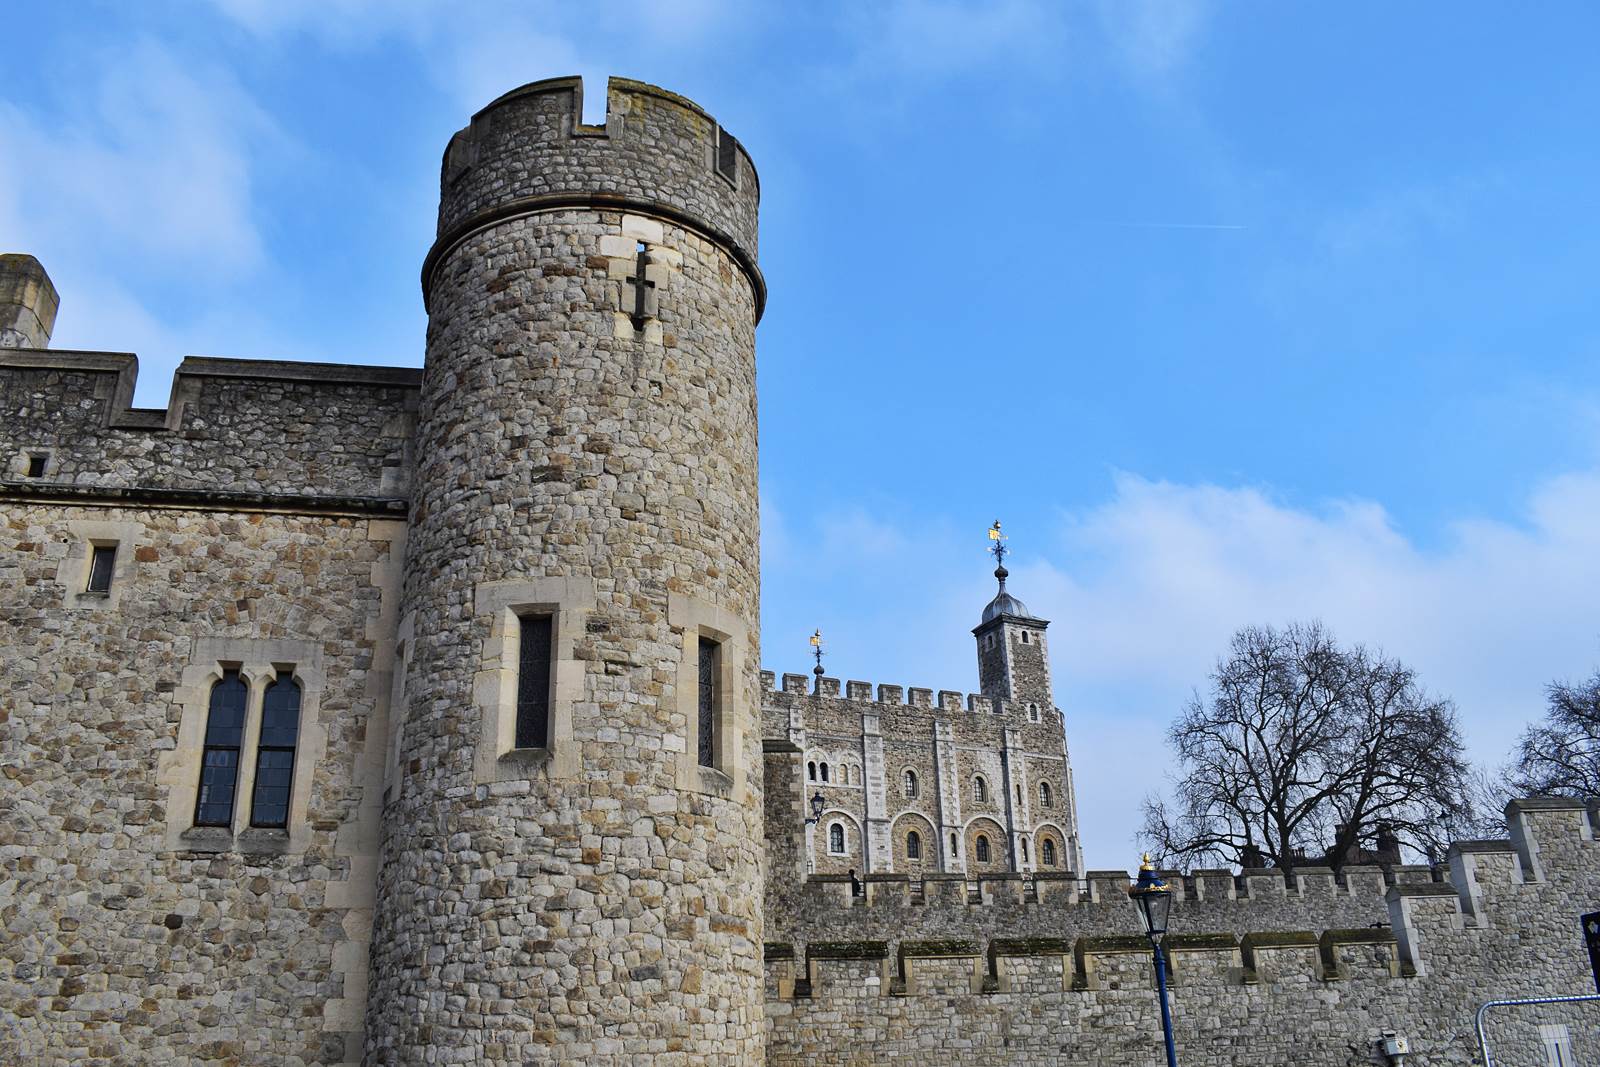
817, 803
1153, 899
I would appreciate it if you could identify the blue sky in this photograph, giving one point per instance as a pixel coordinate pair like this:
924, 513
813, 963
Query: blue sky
1234, 313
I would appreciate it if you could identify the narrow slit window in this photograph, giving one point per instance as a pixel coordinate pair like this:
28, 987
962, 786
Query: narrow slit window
280, 733
219, 762
710, 699
533, 682
953, 849
102, 563
36, 466
727, 161
811, 770
824, 772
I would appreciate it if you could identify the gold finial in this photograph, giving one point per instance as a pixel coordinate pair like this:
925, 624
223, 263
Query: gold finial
1147, 865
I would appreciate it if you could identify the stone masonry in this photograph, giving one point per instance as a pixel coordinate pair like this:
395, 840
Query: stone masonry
640, 884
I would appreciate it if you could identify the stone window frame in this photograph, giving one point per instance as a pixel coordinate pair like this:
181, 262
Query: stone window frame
1046, 795
73, 572
691, 618
404, 644
568, 601
910, 785
258, 661
22, 463
837, 827
980, 789
1557, 1041
1053, 832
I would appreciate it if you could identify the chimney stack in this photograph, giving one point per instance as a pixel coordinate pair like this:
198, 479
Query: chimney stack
28, 303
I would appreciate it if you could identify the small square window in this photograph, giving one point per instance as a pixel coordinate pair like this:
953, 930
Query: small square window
101, 565
36, 464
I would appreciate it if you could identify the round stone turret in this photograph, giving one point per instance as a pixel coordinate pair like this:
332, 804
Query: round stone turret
572, 833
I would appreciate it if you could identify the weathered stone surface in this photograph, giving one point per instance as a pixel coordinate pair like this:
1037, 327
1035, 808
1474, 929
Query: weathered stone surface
440, 896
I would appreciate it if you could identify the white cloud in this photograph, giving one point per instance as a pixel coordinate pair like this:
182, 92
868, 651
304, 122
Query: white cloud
1160, 575
1145, 588
1153, 37
151, 169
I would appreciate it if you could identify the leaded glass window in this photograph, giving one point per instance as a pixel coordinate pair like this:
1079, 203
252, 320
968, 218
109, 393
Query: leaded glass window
710, 654
533, 682
982, 849
219, 762
101, 567
280, 733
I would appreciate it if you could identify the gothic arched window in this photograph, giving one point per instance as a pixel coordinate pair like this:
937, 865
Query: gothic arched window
911, 784
913, 846
981, 848
836, 839
280, 733
1047, 852
219, 764
980, 789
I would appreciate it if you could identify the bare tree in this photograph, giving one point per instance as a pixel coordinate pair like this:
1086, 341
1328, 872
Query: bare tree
1560, 755
1304, 749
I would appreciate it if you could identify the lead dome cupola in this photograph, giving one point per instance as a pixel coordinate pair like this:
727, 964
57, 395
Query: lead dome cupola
1004, 603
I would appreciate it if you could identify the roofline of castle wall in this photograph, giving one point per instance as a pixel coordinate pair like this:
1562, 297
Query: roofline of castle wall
205, 500
524, 206
122, 415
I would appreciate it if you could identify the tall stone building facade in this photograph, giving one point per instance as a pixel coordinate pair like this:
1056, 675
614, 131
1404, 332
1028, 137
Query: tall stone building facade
368, 715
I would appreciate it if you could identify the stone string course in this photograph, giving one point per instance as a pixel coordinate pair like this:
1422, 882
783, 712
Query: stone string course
608, 902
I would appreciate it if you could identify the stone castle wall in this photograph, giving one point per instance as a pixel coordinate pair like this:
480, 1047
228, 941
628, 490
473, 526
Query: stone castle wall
1293, 989
947, 740
232, 426
129, 936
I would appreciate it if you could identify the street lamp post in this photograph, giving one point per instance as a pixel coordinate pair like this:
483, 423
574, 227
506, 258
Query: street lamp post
1152, 898
817, 802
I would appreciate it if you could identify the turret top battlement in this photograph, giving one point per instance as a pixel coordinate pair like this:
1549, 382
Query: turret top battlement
657, 153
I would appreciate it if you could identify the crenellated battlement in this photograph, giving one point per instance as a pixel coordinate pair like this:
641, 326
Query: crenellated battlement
1312, 967
657, 153
882, 695
1082, 964
313, 435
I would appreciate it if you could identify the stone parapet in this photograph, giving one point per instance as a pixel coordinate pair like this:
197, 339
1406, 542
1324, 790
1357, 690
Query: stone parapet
263, 427
656, 154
